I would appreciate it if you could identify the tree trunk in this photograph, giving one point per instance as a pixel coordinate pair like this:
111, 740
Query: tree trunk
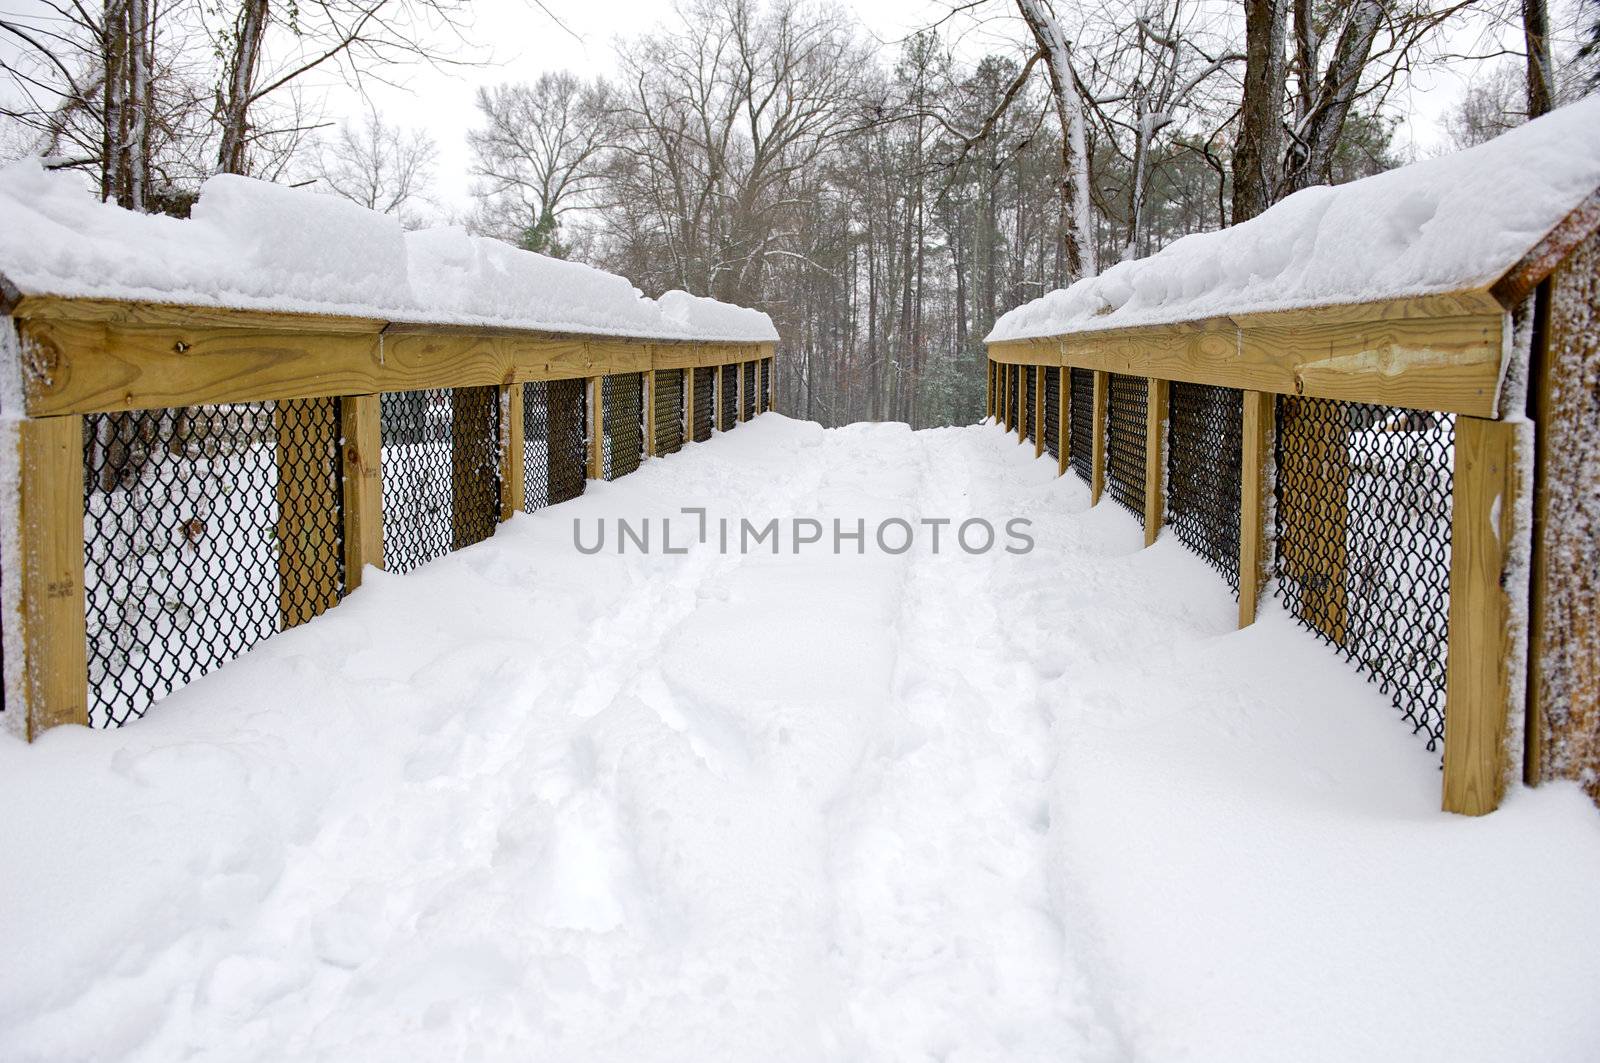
1255, 153
1536, 33
234, 99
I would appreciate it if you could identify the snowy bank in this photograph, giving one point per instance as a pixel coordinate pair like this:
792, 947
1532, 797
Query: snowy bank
527, 804
1454, 223
255, 245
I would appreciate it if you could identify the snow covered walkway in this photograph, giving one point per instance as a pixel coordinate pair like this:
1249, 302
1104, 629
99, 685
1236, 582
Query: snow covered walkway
529, 804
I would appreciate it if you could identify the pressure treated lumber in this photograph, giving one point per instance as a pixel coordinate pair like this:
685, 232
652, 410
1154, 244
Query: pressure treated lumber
1155, 455
1102, 396
54, 629
513, 472
363, 485
1255, 487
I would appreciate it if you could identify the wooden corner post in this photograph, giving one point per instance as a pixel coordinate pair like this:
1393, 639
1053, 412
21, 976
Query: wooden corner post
1097, 478
513, 473
1155, 457
1478, 673
1255, 480
363, 485
56, 667
597, 428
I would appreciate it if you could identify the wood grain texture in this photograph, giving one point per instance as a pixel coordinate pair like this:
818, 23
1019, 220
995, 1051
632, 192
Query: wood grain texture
54, 635
1563, 710
513, 472
1435, 352
1097, 436
1478, 671
360, 427
1255, 486
1155, 454
308, 526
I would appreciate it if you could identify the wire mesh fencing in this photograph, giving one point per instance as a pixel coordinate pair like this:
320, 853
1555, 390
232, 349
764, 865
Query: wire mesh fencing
1363, 501
705, 403
1126, 401
1080, 405
1205, 448
749, 402
441, 472
554, 453
766, 384
728, 393
668, 410
206, 530
1030, 408
1052, 411
623, 395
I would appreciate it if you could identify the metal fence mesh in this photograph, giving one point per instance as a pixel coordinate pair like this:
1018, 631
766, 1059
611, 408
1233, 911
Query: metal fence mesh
1125, 428
553, 450
441, 472
206, 529
1363, 541
749, 403
1052, 411
728, 388
705, 400
766, 384
1030, 407
1081, 425
623, 396
1205, 445
668, 413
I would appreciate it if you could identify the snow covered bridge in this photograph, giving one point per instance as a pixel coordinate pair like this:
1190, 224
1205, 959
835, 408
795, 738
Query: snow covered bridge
798, 743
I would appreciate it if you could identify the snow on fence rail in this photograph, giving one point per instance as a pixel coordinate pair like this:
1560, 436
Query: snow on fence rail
1413, 474
193, 480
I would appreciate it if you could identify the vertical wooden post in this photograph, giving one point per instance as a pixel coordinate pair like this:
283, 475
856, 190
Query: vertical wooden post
649, 400
719, 396
1155, 458
739, 386
1005, 396
1315, 475
307, 491
363, 485
1255, 554
688, 404
1478, 671
1038, 408
513, 473
988, 395
597, 428
1097, 434
1063, 415
55, 652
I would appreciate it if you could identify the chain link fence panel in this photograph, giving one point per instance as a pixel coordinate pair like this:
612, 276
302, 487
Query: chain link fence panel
669, 410
441, 472
1127, 398
1030, 408
728, 389
1052, 411
766, 384
1364, 497
206, 530
749, 372
705, 403
1205, 446
1080, 427
554, 453
623, 418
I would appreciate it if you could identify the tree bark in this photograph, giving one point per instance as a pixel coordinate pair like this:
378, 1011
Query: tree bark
1255, 153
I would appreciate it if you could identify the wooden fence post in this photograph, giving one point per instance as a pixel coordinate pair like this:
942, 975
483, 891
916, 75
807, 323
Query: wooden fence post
56, 667
308, 495
363, 485
1063, 415
738, 390
719, 396
1097, 452
1155, 453
1038, 409
648, 398
688, 404
513, 473
1255, 556
1478, 671
597, 428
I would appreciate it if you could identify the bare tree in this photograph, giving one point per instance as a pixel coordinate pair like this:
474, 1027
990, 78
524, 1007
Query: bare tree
1260, 138
1077, 223
380, 166
538, 155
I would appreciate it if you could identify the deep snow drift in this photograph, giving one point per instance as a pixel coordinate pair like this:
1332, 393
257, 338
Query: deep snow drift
1447, 224
529, 804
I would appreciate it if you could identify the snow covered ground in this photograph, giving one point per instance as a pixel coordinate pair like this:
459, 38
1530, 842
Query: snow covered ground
529, 804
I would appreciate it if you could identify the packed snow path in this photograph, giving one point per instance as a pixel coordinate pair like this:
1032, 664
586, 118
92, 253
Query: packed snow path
530, 804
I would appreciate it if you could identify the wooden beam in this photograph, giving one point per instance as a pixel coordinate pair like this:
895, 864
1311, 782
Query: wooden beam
513, 472
309, 526
155, 357
1437, 353
55, 653
363, 485
1572, 231
1255, 486
1155, 454
597, 427
1478, 677
1097, 432
1063, 417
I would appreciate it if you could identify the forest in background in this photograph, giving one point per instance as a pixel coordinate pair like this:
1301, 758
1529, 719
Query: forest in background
884, 202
